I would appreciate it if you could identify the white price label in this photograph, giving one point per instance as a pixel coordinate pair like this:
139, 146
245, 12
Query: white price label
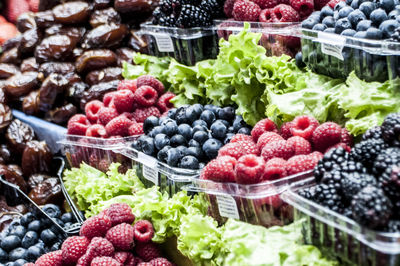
227, 207
164, 42
332, 44
150, 174
333, 50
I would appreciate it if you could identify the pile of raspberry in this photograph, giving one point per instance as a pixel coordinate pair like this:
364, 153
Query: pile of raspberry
109, 239
270, 154
122, 112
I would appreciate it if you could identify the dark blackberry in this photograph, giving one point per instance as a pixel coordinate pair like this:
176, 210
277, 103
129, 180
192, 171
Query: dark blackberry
167, 21
327, 195
166, 7
391, 129
157, 14
308, 193
352, 183
351, 166
348, 212
367, 150
212, 7
331, 160
373, 133
385, 159
371, 207
390, 182
393, 226
333, 177
192, 16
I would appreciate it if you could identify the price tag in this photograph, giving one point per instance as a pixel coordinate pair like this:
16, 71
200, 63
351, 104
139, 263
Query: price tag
164, 42
227, 206
151, 174
335, 45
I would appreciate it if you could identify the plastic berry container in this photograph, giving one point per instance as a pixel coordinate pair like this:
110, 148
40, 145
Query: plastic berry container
258, 204
339, 237
277, 38
187, 46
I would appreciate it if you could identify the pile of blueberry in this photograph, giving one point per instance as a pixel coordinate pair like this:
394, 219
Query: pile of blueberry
190, 136
31, 236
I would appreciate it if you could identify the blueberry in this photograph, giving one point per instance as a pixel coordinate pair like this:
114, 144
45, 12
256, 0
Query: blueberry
367, 8
355, 4
374, 34
199, 123
388, 27
345, 11
329, 22
308, 23
156, 130
173, 156
192, 114
148, 146
394, 14
348, 2
355, 17
180, 115
316, 15
195, 151
231, 129
56, 246
185, 130
48, 236
162, 154
67, 217
29, 239
336, 15
339, 6
9, 264
212, 108
208, 116
18, 230
378, 16
238, 123
218, 130
183, 150
364, 25
67, 225
177, 140
361, 34
189, 162
198, 128
40, 244
319, 27
348, 32
34, 225
55, 228
228, 138
326, 11
244, 130
171, 128
3, 256
27, 218
19, 262
171, 113
18, 253
200, 136
211, 148
163, 120
34, 252
299, 63
10, 242
342, 24
52, 210
388, 5
150, 123
226, 113
193, 143
198, 108
160, 141
13, 224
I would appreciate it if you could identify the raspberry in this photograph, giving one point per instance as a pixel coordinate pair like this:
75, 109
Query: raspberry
332, 3
241, 137
249, 169
123, 101
268, 15
126, 258
144, 264
286, 13
346, 137
105, 261
145, 96
261, 127
140, 114
300, 145
221, 169
286, 130
339, 145
164, 103
84, 261
249, 147
120, 213
151, 81
129, 116
300, 163
326, 135
97, 131
266, 138
95, 226
53, 258
275, 169
29, 264
244, 10
278, 149
316, 155
318, 4
234, 150
266, 3
228, 7
108, 99
92, 109
99, 247
121, 236
136, 129
160, 262
106, 114
304, 126
144, 231
303, 7
147, 251
73, 248
77, 125
127, 85
119, 126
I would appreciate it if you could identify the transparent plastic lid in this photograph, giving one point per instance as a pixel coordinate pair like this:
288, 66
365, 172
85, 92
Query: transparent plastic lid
91, 142
283, 28
180, 33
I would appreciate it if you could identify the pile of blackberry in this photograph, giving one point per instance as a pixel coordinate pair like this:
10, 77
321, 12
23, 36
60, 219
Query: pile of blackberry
364, 184
187, 13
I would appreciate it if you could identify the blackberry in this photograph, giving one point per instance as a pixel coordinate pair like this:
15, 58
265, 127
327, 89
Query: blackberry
385, 159
167, 21
212, 7
373, 133
333, 177
352, 183
371, 207
391, 129
351, 166
192, 16
327, 195
157, 14
308, 193
348, 213
390, 182
367, 150
331, 160
166, 7
393, 226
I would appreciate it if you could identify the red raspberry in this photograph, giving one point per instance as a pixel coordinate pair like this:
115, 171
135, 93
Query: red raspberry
303, 7
123, 101
160, 262
266, 3
29, 264
268, 15
326, 135
164, 103
144, 264
278, 49
146, 96
241, 137
108, 99
147, 251
234, 150
144, 231
228, 7
333, 3
346, 137
286, 13
106, 114
304, 126
275, 169
339, 145
286, 130
85, 260
95, 226
261, 127
249, 147
266, 138
140, 114
124, 257
316, 156
318, 4
73, 248
127, 85
92, 109
97, 131
121, 236
151, 81
136, 129
53, 258
300, 145
129, 115
119, 126
249, 169
120, 213
300, 163
105, 261
77, 125
244, 10
221, 169
99, 247
277, 149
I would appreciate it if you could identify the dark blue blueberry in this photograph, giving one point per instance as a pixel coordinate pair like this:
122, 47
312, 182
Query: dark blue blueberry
150, 123
340, 5
326, 11
163, 120
13, 224
10, 263
348, 2
177, 140
185, 130
378, 16
171, 113
208, 116
180, 115
226, 113
10, 242
374, 34
67, 225
330, 30
189, 162
218, 130
299, 63
173, 157
231, 129
336, 15
319, 27
355, 4
56, 246
27, 218
394, 14
160, 141
18, 230
30, 239
199, 123
244, 130
342, 24
367, 8
228, 138
195, 151
388, 27
308, 23
212, 108
35, 225
348, 32
16, 254
148, 146
162, 154
355, 17
211, 148
198, 128
193, 143
48, 237
361, 34
19, 262
316, 15
226, 123
200, 136
3, 256
157, 130
388, 5
329, 22
238, 123
34, 252
136, 145
171, 128
364, 25
52, 210
183, 151
67, 217
192, 114
345, 11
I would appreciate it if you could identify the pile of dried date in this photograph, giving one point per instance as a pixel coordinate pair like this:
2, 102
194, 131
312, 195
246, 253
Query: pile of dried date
69, 54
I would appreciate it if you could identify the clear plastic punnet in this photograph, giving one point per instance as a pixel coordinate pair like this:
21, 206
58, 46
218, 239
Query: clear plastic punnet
258, 204
187, 46
339, 237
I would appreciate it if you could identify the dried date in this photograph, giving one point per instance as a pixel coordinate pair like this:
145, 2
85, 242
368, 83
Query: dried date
71, 12
26, 21
7, 70
21, 84
49, 191
54, 48
13, 178
30, 104
30, 39
16, 168
18, 134
36, 179
5, 117
53, 85
104, 16
103, 75
11, 56
56, 67
124, 54
105, 36
95, 59
75, 92
96, 92
36, 158
100, 4
29, 64
61, 115
11, 43
128, 6
44, 19
5, 154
